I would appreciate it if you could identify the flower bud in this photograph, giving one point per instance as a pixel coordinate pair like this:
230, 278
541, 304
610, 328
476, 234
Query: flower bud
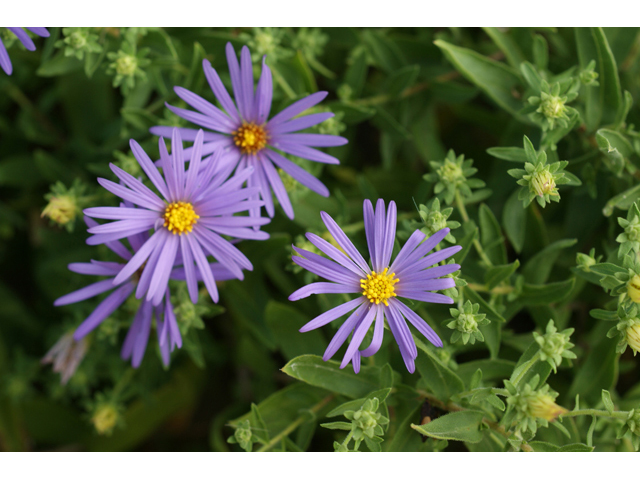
633, 337
633, 288
126, 65
61, 209
554, 345
543, 405
542, 182
105, 417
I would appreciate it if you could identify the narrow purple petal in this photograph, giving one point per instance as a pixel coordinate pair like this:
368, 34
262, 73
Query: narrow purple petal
85, 292
324, 267
143, 335
428, 285
378, 236
5, 61
378, 333
217, 117
23, 37
40, 31
168, 170
305, 152
102, 311
149, 168
335, 254
189, 269
369, 228
344, 242
429, 273
389, 235
236, 81
404, 343
323, 287
148, 272
429, 260
203, 267
343, 332
109, 269
124, 226
135, 184
177, 160
309, 139
134, 330
246, 83
259, 179
300, 123
414, 240
187, 134
296, 108
194, 166
162, 271
417, 322
199, 119
297, 172
130, 195
264, 93
423, 296
121, 213
358, 335
213, 222
219, 91
330, 315
140, 257
407, 256
219, 247
278, 187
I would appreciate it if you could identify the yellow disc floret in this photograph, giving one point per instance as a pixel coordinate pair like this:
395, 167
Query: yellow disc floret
179, 217
250, 138
379, 287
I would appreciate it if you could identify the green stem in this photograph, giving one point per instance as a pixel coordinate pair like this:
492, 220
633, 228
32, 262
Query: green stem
283, 83
347, 439
295, 424
524, 368
476, 243
596, 413
123, 382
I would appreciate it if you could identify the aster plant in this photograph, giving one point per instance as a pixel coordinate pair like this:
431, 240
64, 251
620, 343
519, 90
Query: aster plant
378, 284
23, 36
196, 208
247, 135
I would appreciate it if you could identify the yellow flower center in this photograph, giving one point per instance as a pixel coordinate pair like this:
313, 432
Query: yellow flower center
250, 138
179, 217
633, 338
379, 287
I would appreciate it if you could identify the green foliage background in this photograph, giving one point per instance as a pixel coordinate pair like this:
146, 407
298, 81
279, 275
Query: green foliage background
403, 98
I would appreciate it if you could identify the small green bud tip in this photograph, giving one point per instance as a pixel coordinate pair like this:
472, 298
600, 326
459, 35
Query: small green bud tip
633, 337
543, 183
586, 261
61, 209
126, 65
466, 323
633, 230
104, 419
552, 106
77, 40
633, 421
450, 172
435, 221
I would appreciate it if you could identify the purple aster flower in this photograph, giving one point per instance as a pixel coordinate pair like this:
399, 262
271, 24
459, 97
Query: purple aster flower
246, 135
5, 61
409, 276
196, 208
137, 338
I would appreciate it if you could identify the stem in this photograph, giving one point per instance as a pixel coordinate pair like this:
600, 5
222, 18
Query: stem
476, 243
123, 382
524, 368
295, 424
347, 439
596, 413
283, 83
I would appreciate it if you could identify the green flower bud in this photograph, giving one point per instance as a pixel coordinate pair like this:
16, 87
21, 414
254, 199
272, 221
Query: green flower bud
62, 209
552, 106
588, 76
587, 261
452, 175
436, 219
630, 238
105, 417
633, 421
126, 65
243, 436
466, 322
529, 408
554, 345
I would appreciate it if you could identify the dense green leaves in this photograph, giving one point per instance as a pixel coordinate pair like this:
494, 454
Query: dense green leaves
461, 426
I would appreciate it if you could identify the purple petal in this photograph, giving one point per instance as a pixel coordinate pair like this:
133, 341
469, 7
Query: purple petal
143, 335
177, 160
343, 332
189, 269
389, 235
264, 93
162, 271
86, 292
168, 170
369, 228
323, 287
140, 257
102, 311
378, 237
135, 184
194, 166
246, 83
23, 37
344, 242
217, 117
149, 168
259, 179
378, 333
325, 267
124, 226
305, 152
408, 257
330, 315
134, 197
236, 80
109, 269
429, 273
148, 271
223, 251
427, 285
429, 260
219, 91
121, 213
40, 31
278, 187
414, 240
298, 173
358, 335
309, 139
395, 324
187, 134
5, 61
296, 108
203, 267
421, 296
335, 254
417, 322
300, 123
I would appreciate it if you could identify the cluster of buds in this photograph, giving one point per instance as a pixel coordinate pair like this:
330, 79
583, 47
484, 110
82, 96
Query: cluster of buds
243, 436
78, 41
554, 345
366, 425
552, 109
627, 328
465, 323
539, 179
64, 204
453, 175
630, 238
529, 407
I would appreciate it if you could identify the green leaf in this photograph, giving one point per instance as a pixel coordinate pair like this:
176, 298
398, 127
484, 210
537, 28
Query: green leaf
532, 76
492, 370
384, 52
466, 243
613, 144
514, 219
543, 369
606, 315
313, 370
285, 321
405, 439
438, 378
543, 446
510, 154
352, 114
491, 236
546, 294
387, 123
606, 401
495, 79
538, 268
59, 65
610, 92
462, 426
495, 275
356, 74
599, 369
622, 201
401, 79
575, 447
607, 269
505, 43
259, 427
